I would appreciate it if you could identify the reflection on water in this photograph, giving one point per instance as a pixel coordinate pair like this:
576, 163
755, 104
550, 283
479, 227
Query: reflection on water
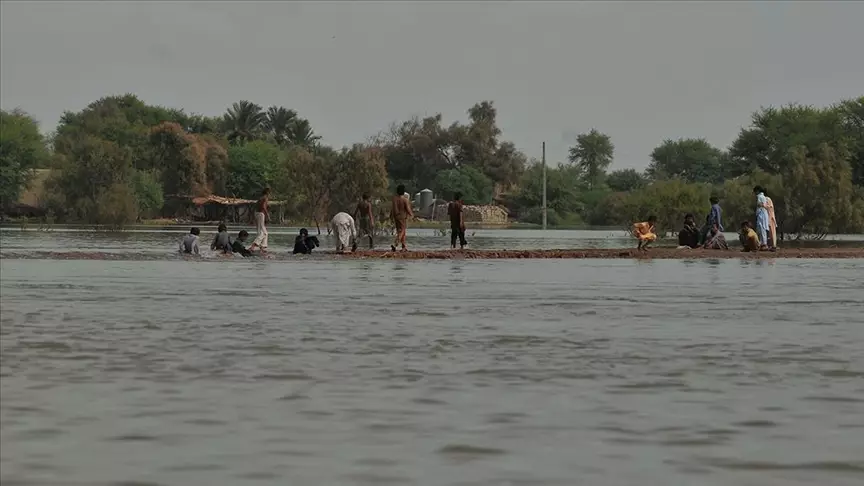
601, 372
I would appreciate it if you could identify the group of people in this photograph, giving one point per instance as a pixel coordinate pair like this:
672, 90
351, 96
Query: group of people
342, 226
710, 235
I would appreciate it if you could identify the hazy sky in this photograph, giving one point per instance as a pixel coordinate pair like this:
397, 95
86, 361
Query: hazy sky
639, 71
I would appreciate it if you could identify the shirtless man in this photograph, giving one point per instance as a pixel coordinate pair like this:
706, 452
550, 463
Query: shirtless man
262, 214
400, 212
363, 214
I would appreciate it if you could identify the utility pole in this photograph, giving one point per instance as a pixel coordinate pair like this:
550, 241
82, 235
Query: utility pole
544, 186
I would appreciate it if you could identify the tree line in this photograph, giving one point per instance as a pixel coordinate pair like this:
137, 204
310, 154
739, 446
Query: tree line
119, 159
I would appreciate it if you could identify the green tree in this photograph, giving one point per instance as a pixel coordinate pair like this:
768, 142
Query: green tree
668, 200
689, 159
592, 154
475, 187
852, 120
22, 149
774, 132
148, 192
625, 180
243, 122
563, 187
279, 122
253, 166
89, 168
301, 133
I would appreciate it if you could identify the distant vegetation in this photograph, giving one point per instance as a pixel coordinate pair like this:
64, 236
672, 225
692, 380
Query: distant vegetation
115, 162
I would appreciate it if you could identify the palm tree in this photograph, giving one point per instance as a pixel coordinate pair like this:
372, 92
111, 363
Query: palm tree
302, 133
279, 122
592, 154
244, 121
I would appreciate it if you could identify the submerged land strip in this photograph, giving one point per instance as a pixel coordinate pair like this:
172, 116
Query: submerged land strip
591, 253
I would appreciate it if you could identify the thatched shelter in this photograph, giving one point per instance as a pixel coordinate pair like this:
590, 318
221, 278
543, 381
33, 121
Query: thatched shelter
216, 208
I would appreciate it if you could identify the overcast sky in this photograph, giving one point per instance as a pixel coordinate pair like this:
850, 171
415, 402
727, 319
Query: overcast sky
639, 71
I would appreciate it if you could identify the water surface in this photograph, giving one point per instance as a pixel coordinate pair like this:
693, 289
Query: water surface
379, 372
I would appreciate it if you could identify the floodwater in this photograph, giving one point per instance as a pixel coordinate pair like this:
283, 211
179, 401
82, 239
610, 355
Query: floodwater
375, 372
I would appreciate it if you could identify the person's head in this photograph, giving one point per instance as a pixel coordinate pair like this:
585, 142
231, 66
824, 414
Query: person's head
689, 218
365, 196
652, 219
400, 189
242, 235
757, 189
222, 228
715, 200
195, 231
265, 191
457, 196
304, 232
745, 225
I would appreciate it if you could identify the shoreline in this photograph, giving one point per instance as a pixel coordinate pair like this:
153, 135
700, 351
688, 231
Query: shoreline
560, 254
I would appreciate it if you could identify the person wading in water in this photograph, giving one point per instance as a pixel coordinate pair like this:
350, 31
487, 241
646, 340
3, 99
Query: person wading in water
363, 214
400, 212
262, 214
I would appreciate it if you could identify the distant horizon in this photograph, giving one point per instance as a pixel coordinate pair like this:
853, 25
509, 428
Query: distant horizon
641, 72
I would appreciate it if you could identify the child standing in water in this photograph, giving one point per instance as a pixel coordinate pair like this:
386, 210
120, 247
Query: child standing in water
644, 233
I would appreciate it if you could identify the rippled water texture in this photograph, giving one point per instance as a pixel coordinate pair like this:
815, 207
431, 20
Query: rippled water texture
329, 372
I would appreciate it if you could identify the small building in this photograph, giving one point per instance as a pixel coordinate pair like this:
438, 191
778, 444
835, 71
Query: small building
484, 214
216, 208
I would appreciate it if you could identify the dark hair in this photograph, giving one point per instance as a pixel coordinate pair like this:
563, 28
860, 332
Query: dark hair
758, 189
652, 219
265, 191
222, 227
242, 234
304, 231
365, 196
457, 195
745, 224
400, 189
714, 200
195, 231
689, 215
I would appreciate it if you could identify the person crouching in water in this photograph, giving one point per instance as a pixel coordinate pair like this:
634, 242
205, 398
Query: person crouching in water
342, 225
689, 234
304, 244
222, 242
237, 245
644, 233
748, 238
189, 245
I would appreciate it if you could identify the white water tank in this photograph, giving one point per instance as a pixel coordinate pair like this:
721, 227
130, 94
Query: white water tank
425, 199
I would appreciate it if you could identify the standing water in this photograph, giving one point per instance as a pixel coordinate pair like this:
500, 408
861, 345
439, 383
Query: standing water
553, 372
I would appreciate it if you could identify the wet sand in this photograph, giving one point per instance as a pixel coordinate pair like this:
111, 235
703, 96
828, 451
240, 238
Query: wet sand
664, 253
591, 253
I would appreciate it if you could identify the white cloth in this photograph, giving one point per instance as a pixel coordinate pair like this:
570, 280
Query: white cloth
343, 228
261, 237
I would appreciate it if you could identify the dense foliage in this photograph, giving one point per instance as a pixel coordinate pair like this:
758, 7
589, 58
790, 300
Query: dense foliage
119, 160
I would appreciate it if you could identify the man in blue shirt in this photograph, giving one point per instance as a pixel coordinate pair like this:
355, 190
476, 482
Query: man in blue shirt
714, 219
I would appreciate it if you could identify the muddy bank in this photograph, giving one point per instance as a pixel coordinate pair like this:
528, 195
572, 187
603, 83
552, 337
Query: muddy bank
616, 253
664, 253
